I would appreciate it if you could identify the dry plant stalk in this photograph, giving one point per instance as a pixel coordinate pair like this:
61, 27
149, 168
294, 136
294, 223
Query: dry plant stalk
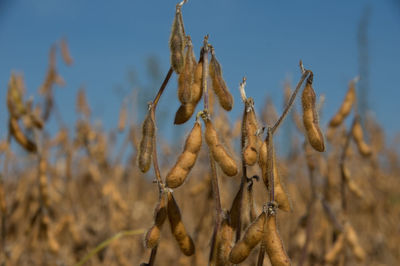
310, 117
276, 187
43, 186
122, 119
187, 159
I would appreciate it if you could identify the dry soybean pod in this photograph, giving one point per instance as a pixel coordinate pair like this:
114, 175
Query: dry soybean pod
250, 152
219, 86
186, 111
352, 239
310, 116
15, 103
146, 143
187, 159
224, 243
177, 42
273, 243
253, 235
220, 155
66, 56
346, 106
185, 242
186, 77
160, 215
358, 135
19, 136
335, 250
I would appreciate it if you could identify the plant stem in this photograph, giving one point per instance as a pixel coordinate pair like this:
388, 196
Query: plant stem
204, 73
107, 242
270, 164
153, 107
218, 208
342, 162
161, 90
310, 212
214, 177
153, 256
291, 100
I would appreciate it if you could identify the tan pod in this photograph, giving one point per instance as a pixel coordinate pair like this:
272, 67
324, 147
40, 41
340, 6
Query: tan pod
220, 155
19, 136
219, 86
160, 215
177, 42
310, 117
335, 250
273, 243
146, 143
358, 136
185, 242
346, 106
186, 111
352, 239
224, 243
253, 235
186, 77
187, 159
250, 152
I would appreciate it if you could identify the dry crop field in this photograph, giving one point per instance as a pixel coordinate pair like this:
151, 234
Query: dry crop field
220, 196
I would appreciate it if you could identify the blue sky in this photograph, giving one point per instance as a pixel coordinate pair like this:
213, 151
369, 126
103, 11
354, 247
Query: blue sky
262, 40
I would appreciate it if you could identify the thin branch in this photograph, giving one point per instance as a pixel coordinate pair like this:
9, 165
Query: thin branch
153, 256
270, 164
244, 167
153, 107
342, 162
204, 76
291, 100
310, 207
218, 208
107, 242
161, 90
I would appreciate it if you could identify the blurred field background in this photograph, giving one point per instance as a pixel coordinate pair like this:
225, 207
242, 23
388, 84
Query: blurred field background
120, 57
